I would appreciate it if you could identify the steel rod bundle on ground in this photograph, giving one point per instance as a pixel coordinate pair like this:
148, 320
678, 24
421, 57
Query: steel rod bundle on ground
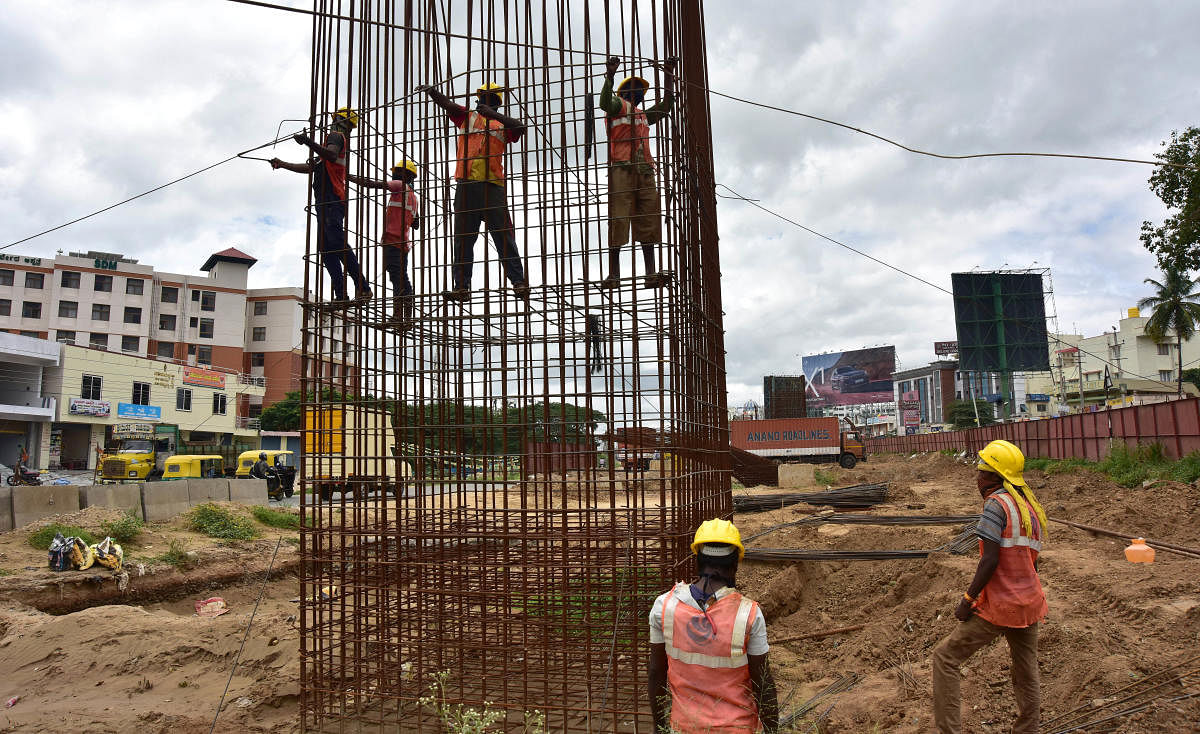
497, 486
859, 495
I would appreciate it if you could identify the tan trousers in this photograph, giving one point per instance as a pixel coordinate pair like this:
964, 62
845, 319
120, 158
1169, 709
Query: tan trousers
632, 202
963, 642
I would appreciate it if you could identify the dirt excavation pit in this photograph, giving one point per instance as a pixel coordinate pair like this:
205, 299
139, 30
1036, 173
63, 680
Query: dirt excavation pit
82, 656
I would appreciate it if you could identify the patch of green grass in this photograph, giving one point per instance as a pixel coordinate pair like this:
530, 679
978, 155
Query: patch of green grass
218, 522
176, 555
589, 610
125, 530
820, 476
276, 518
41, 539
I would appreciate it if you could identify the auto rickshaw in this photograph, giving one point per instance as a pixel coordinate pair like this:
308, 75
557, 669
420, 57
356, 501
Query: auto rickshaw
281, 471
194, 466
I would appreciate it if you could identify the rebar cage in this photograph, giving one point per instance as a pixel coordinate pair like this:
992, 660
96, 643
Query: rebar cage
495, 491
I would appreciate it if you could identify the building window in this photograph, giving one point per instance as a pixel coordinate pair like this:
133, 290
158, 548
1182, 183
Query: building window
6, 276
259, 334
98, 341
31, 310
31, 334
1166, 375
193, 322
92, 387
258, 359
166, 349
134, 286
219, 403
68, 309
133, 315
100, 311
204, 355
141, 393
5, 307
64, 337
70, 279
130, 343
208, 301
260, 308
170, 294
1164, 349
196, 296
103, 284
166, 322
255, 410
1041, 407
206, 328
35, 280
183, 399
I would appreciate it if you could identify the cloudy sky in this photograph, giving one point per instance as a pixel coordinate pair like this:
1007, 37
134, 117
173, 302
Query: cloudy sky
107, 99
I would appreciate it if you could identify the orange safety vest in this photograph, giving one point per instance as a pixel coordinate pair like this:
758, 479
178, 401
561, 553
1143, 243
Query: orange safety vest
1013, 596
479, 137
708, 669
627, 131
337, 168
401, 211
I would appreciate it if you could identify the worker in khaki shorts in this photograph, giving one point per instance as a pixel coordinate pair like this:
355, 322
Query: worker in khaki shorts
632, 190
1005, 597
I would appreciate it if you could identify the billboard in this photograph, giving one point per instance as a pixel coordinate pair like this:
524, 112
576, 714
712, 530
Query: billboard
203, 378
910, 406
945, 349
783, 397
1001, 322
850, 378
81, 406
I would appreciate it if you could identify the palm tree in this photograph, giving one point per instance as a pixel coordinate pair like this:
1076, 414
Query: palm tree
1176, 304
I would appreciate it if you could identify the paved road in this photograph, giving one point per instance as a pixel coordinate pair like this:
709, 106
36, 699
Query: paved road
294, 500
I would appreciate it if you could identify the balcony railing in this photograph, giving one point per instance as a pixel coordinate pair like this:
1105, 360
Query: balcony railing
251, 424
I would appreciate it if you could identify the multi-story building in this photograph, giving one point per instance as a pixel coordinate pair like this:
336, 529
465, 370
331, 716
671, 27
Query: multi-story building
110, 302
25, 410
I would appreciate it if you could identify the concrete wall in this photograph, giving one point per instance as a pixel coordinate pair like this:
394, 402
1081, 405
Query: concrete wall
6, 518
121, 496
164, 500
248, 491
797, 476
207, 490
34, 503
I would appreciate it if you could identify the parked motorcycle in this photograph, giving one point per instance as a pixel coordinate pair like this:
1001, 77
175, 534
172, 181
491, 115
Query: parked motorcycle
22, 475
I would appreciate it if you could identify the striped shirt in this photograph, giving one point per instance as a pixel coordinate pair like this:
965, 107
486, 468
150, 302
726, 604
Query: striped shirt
992, 521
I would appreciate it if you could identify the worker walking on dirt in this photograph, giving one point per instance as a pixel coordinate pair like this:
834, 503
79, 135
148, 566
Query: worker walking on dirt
1005, 598
483, 134
632, 190
708, 647
401, 215
329, 199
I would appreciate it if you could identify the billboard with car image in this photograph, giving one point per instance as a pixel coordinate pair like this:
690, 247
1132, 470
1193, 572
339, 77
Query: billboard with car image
850, 378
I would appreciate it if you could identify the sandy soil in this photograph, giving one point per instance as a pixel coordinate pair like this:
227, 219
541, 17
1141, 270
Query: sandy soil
149, 664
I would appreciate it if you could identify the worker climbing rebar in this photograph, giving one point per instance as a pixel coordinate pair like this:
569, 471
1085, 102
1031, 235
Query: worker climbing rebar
328, 167
479, 196
632, 189
1005, 597
708, 647
401, 215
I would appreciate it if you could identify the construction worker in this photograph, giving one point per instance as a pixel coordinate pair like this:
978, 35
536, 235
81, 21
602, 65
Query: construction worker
401, 215
708, 647
329, 199
479, 194
1005, 598
632, 190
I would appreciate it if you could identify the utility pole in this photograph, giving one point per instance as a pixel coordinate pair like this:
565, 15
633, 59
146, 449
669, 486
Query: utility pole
1079, 356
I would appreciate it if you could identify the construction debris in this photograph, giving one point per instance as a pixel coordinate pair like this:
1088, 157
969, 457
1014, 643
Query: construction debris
1179, 550
844, 683
858, 495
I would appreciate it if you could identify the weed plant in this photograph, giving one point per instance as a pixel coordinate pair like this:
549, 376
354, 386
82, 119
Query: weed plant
123, 530
41, 539
218, 522
276, 518
820, 476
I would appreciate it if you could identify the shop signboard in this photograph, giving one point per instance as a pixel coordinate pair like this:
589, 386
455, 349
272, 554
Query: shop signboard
945, 349
164, 379
203, 378
144, 412
96, 408
133, 430
910, 405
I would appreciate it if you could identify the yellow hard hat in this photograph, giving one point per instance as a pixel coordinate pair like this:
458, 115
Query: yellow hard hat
407, 165
347, 114
718, 531
1003, 458
626, 80
492, 88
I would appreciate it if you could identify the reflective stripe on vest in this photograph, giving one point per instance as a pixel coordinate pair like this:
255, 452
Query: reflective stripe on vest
710, 678
481, 138
337, 168
626, 131
1013, 597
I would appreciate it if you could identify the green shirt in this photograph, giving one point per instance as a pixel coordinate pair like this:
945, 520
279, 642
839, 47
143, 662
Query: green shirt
611, 104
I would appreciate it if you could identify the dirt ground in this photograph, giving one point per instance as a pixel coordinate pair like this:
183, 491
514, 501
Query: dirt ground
141, 661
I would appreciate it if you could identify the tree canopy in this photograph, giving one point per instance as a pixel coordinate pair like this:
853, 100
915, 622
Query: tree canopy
961, 414
1176, 305
1176, 241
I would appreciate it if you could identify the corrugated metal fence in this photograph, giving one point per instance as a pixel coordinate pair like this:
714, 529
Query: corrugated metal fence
1174, 424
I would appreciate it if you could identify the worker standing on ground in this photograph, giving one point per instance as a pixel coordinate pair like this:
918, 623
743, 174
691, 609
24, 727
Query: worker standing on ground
708, 647
1005, 597
329, 198
479, 197
401, 214
632, 190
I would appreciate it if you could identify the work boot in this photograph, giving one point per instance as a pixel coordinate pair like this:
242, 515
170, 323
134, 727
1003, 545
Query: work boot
397, 316
612, 281
457, 294
362, 297
522, 291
